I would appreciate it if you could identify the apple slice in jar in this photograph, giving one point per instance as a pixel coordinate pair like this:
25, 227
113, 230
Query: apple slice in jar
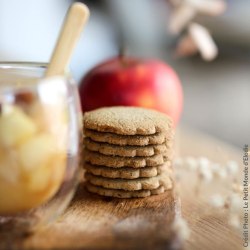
9, 168
37, 158
52, 118
36, 151
32, 166
15, 126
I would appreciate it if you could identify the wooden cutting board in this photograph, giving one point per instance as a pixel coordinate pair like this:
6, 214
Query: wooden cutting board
93, 222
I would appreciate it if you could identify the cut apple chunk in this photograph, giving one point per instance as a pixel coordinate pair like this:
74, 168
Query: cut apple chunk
33, 154
15, 126
37, 151
9, 168
53, 119
39, 179
48, 178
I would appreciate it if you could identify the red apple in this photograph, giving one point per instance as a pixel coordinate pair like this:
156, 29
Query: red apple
133, 82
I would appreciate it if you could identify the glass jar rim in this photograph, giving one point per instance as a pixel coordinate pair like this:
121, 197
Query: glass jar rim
21, 74
28, 65
22, 65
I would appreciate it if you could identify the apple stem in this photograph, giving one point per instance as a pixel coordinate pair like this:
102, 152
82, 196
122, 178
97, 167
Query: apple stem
122, 52
122, 55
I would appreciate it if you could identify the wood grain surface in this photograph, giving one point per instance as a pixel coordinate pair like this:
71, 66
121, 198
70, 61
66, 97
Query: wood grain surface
93, 222
209, 226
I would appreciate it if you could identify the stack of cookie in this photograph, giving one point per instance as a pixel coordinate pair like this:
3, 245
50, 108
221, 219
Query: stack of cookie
127, 152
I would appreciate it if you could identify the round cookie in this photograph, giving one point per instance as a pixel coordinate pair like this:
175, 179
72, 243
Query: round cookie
127, 121
163, 179
126, 151
125, 194
132, 140
119, 162
126, 173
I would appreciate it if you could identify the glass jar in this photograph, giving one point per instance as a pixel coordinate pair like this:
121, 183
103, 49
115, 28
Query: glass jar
40, 127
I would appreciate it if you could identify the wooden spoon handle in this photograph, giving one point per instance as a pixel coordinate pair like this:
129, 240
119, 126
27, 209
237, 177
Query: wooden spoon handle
69, 35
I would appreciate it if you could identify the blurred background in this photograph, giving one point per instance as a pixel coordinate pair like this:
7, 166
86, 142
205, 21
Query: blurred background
216, 94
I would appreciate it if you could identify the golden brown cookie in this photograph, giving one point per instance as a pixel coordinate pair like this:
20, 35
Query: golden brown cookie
125, 194
126, 151
127, 121
126, 173
119, 162
132, 140
163, 179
